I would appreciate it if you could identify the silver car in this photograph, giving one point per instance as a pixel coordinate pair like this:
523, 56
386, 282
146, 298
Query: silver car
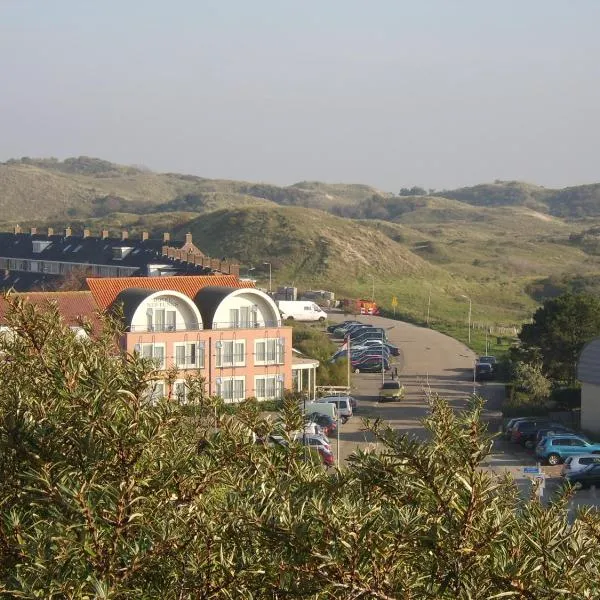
578, 462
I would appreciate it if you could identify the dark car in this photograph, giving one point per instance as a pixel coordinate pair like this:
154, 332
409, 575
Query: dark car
329, 424
368, 335
522, 428
490, 360
585, 477
361, 332
531, 437
371, 365
507, 429
335, 326
484, 372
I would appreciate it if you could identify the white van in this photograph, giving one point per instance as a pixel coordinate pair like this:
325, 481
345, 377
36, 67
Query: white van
323, 408
301, 310
342, 403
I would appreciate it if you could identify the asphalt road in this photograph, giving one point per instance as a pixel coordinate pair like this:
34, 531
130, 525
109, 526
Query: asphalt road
431, 362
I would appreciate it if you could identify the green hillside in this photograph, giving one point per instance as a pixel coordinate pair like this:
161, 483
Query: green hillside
506, 245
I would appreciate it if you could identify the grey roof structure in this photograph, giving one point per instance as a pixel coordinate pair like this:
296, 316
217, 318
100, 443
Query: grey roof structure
129, 300
35, 260
208, 300
588, 367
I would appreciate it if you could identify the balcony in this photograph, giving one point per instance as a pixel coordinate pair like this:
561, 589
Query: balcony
245, 325
166, 328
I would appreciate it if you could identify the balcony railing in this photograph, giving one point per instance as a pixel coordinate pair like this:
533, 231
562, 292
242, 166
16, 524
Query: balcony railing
243, 325
166, 328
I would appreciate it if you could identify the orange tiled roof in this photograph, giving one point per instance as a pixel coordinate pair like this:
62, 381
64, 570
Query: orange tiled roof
106, 289
73, 306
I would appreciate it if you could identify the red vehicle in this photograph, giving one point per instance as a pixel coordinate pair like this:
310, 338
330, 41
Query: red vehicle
361, 307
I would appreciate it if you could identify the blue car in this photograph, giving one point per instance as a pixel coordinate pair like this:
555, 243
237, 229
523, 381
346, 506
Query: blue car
556, 448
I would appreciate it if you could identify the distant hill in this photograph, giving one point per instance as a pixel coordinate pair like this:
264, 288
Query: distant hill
304, 244
571, 202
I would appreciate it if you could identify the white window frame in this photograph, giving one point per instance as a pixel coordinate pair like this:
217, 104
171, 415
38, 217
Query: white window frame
279, 357
235, 360
182, 399
221, 382
276, 381
200, 354
154, 346
156, 391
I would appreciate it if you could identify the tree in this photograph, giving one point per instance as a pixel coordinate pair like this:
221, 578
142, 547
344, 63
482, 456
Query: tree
560, 329
530, 378
105, 494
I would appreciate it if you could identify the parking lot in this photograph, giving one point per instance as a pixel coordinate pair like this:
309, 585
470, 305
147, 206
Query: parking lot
431, 362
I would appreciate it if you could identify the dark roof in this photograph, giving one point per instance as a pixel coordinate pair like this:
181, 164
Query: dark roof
129, 300
22, 281
208, 300
85, 250
588, 367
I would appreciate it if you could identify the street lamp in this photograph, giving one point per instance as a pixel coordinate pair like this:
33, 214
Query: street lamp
270, 277
470, 308
373, 289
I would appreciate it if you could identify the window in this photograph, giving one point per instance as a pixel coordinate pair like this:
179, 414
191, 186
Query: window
154, 351
231, 353
231, 389
268, 387
269, 351
171, 320
180, 391
189, 355
234, 318
156, 391
576, 442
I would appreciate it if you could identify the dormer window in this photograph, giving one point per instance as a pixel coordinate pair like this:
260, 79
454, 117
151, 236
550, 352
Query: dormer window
40, 245
120, 252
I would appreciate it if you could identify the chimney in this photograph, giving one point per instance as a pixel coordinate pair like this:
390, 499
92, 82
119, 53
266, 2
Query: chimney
166, 237
104, 234
86, 233
124, 234
144, 236
50, 231
188, 238
17, 229
68, 232
33, 230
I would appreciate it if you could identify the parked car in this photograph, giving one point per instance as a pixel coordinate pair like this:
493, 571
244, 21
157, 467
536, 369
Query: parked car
585, 478
371, 333
391, 391
491, 360
484, 372
344, 330
326, 456
530, 438
313, 441
540, 434
334, 326
370, 365
327, 423
576, 463
343, 403
525, 426
557, 448
508, 427
393, 350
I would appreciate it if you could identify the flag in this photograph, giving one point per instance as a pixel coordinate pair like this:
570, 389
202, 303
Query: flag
346, 344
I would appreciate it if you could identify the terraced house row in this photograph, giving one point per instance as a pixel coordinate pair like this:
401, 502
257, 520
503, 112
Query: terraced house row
215, 326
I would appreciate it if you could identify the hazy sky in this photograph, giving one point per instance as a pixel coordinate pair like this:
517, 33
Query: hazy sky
437, 93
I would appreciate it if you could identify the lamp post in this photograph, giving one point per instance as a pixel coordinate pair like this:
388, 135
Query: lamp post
470, 309
428, 305
373, 288
270, 277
